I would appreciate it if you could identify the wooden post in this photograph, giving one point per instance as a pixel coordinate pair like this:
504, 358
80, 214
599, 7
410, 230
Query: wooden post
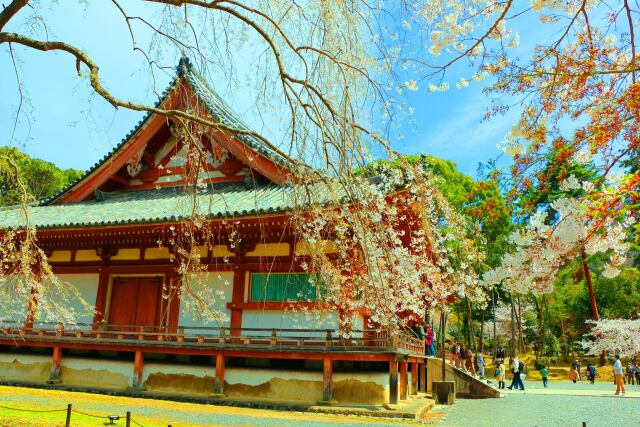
128, 420
422, 367
403, 380
218, 383
327, 379
56, 362
393, 382
67, 423
138, 366
414, 379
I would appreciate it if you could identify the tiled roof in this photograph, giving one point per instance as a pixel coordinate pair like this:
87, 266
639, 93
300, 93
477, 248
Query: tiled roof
229, 200
214, 104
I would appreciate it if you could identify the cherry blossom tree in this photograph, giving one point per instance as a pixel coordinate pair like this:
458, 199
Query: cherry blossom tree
619, 336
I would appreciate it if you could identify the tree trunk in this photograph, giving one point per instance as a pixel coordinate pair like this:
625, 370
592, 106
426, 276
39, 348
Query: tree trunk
513, 325
443, 325
520, 338
481, 347
471, 341
587, 276
495, 336
540, 310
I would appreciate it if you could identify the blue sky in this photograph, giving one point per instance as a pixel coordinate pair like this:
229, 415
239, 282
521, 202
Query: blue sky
65, 124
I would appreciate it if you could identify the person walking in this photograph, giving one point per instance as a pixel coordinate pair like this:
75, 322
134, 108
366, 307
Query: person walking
631, 373
481, 365
471, 366
618, 374
638, 373
517, 368
591, 373
463, 357
573, 374
544, 373
500, 374
455, 354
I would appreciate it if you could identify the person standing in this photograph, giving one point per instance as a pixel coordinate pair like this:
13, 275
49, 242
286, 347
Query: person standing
481, 365
544, 373
500, 374
463, 357
429, 341
618, 374
501, 353
638, 373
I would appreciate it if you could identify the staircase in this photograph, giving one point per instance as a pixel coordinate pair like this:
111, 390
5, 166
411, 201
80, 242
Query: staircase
467, 386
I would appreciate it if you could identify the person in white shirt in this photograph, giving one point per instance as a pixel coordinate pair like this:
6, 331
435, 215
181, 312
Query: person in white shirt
618, 373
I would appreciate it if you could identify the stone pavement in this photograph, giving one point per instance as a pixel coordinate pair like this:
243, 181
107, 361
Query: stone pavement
563, 404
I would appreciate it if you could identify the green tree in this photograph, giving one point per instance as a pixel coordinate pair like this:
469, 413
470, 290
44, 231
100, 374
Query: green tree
41, 179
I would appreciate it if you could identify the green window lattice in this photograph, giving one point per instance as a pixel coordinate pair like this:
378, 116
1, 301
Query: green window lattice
283, 287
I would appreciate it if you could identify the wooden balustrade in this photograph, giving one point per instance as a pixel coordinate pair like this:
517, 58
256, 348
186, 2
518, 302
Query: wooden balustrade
215, 337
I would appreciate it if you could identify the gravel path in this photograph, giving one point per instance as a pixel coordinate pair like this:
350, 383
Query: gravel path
564, 404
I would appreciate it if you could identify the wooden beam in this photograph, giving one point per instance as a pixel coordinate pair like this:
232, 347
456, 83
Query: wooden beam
327, 379
414, 379
403, 381
138, 366
422, 367
218, 382
393, 382
119, 179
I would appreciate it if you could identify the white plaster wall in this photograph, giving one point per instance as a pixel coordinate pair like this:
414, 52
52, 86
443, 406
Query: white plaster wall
256, 376
171, 368
26, 359
215, 288
282, 319
122, 367
78, 288
379, 378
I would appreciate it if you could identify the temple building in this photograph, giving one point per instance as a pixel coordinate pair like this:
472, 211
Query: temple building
116, 239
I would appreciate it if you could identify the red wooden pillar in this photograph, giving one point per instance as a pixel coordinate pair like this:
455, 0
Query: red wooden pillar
422, 367
414, 379
56, 362
393, 381
327, 379
403, 380
101, 299
138, 366
218, 382
237, 297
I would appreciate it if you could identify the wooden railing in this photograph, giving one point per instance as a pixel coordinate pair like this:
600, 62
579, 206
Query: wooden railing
202, 336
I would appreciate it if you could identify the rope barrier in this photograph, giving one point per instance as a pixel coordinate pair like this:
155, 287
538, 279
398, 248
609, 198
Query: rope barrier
65, 410
89, 415
32, 410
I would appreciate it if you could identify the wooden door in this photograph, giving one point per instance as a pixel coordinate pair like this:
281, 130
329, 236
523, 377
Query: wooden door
135, 301
124, 294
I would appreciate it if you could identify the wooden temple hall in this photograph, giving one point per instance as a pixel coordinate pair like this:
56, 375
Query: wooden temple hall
106, 236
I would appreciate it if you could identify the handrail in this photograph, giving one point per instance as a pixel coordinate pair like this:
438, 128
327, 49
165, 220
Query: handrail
217, 336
